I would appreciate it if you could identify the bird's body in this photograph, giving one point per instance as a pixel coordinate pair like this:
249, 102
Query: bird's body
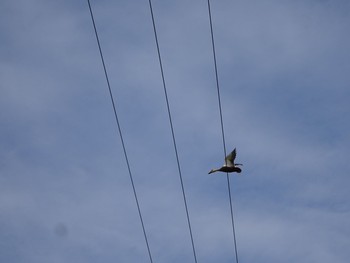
229, 165
226, 169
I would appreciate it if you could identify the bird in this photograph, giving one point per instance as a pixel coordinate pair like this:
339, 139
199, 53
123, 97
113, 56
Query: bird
229, 165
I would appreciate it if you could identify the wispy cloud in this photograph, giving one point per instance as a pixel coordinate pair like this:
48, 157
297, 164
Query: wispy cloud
65, 193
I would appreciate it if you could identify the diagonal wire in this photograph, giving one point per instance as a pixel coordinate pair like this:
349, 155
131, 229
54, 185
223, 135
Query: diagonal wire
222, 130
120, 132
172, 132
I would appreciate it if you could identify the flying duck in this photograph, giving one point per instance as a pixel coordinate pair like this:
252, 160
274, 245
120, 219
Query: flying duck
229, 165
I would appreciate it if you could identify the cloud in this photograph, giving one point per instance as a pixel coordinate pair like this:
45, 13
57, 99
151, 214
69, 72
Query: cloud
283, 78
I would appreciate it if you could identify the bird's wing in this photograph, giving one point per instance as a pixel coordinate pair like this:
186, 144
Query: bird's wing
230, 159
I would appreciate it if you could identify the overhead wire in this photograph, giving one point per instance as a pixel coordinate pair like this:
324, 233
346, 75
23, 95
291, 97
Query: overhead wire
120, 133
172, 132
222, 129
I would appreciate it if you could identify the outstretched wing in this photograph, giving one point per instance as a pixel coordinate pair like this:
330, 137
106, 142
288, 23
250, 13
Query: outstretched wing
230, 159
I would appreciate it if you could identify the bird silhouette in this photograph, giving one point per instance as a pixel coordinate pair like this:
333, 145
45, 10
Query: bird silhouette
229, 165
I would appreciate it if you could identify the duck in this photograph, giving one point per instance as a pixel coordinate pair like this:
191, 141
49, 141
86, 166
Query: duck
230, 165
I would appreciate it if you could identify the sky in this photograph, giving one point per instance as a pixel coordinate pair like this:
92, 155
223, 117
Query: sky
65, 192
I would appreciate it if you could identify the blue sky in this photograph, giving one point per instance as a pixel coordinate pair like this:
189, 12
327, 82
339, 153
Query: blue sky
65, 193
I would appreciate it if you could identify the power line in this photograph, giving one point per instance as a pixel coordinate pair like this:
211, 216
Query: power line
172, 131
120, 131
222, 129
